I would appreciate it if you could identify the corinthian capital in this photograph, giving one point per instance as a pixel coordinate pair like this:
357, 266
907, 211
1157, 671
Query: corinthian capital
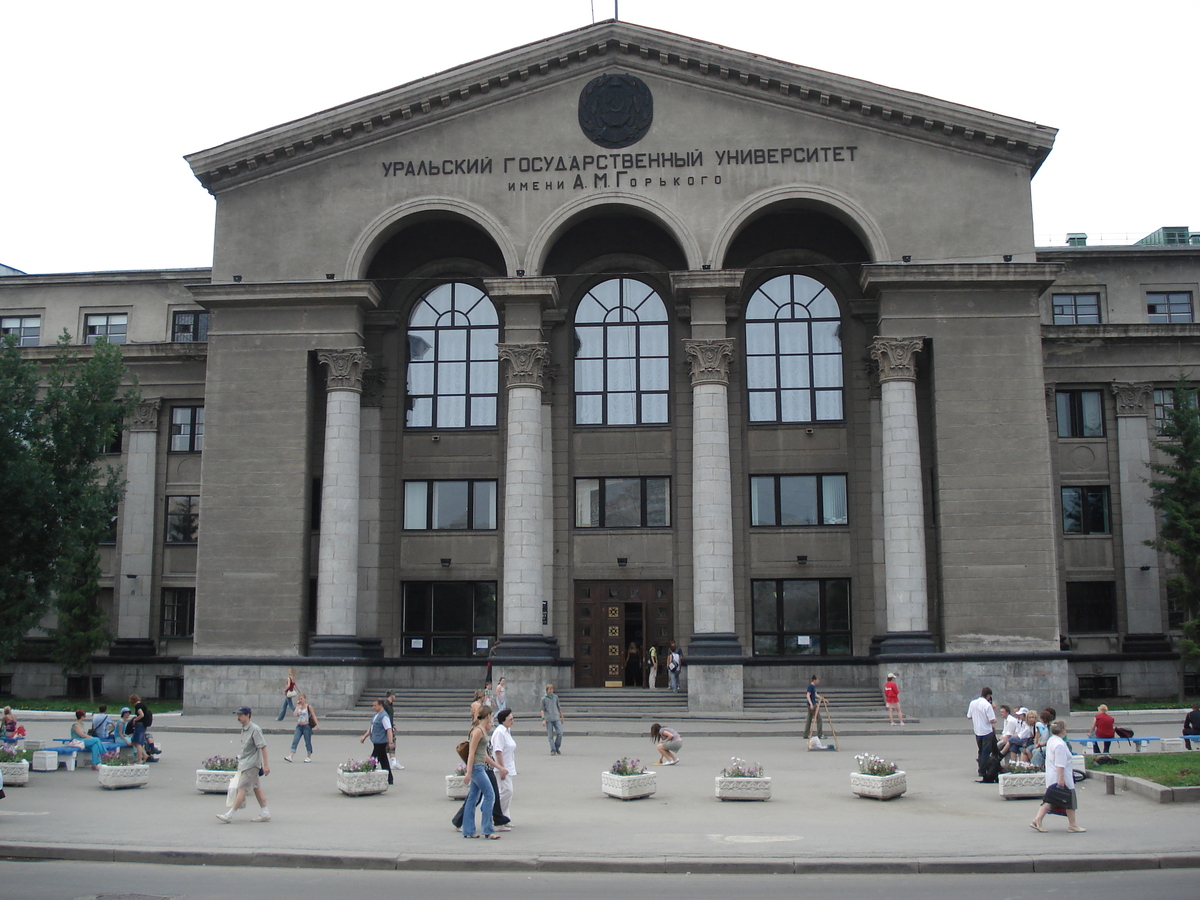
145, 415
895, 357
709, 360
346, 368
526, 364
1133, 399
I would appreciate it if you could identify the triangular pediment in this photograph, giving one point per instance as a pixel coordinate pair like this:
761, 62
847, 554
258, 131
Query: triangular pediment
622, 46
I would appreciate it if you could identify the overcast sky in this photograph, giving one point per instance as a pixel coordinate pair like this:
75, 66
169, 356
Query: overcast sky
102, 100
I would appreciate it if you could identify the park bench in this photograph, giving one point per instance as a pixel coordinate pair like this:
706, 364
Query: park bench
1141, 744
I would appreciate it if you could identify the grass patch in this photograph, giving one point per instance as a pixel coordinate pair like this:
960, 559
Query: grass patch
70, 704
1167, 769
1117, 704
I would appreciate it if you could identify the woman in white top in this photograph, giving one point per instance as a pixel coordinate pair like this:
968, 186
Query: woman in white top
1059, 773
504, 751
306, 721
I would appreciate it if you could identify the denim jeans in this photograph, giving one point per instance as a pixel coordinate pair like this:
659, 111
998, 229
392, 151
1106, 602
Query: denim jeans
673, 678
302, 731
480, 793
288, 704
554, 734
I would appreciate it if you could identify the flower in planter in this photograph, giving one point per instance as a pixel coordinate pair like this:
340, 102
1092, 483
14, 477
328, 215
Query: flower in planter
460, 770
1018, 767
742, 769
869, 764
370, 764
116, 758
15, 756
220, 764
626, 766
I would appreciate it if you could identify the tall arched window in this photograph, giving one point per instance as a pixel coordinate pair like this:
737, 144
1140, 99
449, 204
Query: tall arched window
453, 369
621, 355
794, 352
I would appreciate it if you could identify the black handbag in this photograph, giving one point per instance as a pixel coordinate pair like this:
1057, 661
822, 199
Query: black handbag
1059, 797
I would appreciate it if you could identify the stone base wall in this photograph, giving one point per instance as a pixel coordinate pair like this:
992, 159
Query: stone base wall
1143, 678
526, 684
796, 676
222, 688
945, 687
714, 688
119, 680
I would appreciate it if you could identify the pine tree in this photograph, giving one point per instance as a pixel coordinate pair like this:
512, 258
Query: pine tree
81, 629
1176, 495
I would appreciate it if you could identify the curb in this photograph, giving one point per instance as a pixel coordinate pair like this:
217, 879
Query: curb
15, 850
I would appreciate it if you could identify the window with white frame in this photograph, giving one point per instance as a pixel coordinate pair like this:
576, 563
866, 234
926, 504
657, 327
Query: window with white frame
798, 500
1164, 400
113, 326
622, 502
435, 505
794, 352
1080, 413
27, 330
453, 364
622, 355
1076, 309
1169, 306
187, 429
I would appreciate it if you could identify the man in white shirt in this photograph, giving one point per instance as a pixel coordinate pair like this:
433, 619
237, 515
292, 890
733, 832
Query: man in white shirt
983, 719
504, 751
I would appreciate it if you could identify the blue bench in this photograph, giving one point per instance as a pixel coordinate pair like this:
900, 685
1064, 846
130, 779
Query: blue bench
1137, 741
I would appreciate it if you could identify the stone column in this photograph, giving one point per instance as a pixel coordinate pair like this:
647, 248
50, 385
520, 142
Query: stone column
1143, 607
906, 586
337, 574
547, 619
136, 567
524, 485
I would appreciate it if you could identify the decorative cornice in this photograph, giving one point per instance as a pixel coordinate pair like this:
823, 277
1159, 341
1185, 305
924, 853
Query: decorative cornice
618, 44
1133, 399
346, 368
958, 276
709, 360
896, 357
145, 415
526, 364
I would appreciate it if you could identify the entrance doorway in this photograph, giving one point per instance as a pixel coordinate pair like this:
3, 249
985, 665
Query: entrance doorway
615, 622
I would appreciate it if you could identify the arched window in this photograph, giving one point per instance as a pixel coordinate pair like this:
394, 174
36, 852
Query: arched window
621, 355
794, 352
453, 369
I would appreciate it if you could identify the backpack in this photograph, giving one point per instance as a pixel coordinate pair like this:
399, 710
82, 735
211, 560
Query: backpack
991, 770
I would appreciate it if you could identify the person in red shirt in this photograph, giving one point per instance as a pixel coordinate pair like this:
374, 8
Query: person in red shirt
1102, 727
891, 699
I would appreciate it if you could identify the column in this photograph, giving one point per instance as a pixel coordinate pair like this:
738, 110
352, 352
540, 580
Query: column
712, 504
906, 587
337, 573
135, 581
524, 488
1143, 606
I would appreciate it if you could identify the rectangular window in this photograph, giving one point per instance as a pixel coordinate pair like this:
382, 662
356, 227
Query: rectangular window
1076, 309
26, 329
189, 327
622, 502
801, 617
187, 429
178, 612
1091, 607
438, 505
798, 500
1168, 306
183, 519
1164, 399
1080, 414
448, 618
1085, 510
114, 326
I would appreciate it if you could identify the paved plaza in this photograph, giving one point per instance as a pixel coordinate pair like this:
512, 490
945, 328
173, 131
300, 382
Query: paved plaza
946, 821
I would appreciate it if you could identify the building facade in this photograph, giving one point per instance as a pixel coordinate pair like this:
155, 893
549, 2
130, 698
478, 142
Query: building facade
621, 338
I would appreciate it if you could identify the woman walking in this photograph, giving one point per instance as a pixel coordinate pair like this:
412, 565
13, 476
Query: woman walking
891, 699
480, 792
1060, 781
504, 750
667, 742
289, 694
306, 722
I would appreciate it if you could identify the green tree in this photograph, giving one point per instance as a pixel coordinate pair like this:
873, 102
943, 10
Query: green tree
58, 493
1176, 495
82, 624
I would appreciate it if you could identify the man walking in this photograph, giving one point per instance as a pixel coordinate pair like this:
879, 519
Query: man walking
389, 707
814, 709
983, 718
552, 720
383, 739
252, 763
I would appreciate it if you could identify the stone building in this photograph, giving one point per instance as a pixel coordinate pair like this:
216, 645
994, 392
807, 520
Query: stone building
620, 338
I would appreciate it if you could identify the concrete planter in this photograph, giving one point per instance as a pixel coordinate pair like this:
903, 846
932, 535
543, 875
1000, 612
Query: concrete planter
457, 787
213, 781
116, 777
878, 787
629, 787
743, 788
1022, 785
1172, 745
356, 784
15, 774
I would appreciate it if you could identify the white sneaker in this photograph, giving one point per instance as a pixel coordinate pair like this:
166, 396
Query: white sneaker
226, 817
396, 765
262, 817
308, 759
288, 758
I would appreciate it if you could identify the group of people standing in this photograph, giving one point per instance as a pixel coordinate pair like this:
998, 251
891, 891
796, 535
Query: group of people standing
635, 666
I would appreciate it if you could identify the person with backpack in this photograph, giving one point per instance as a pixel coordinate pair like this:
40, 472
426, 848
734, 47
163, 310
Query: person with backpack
674, 664
102, 724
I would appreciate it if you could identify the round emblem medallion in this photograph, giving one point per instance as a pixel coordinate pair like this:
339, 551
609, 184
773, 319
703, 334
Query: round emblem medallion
615, 110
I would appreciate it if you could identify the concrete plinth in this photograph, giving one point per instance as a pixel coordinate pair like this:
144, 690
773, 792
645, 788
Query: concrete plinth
714, 687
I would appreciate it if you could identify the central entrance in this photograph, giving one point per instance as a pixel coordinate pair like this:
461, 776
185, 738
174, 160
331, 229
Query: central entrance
615, 623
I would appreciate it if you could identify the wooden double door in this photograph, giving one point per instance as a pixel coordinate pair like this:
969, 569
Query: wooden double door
615, 622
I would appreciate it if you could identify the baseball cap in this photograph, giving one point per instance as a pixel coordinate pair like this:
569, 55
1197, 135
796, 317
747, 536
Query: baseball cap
242, 711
